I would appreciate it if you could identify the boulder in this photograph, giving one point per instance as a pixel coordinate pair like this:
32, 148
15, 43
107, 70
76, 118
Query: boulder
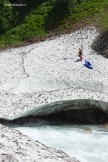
101, 44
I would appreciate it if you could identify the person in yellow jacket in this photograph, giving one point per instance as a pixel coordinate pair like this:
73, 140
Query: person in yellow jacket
80, 54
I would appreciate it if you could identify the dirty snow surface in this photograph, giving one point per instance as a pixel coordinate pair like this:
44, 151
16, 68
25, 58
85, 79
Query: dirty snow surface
50, 71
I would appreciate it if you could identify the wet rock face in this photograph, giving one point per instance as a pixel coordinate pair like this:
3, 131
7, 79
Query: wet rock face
101, 44
16, 147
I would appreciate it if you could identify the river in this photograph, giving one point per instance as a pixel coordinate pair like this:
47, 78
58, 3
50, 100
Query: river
88, 143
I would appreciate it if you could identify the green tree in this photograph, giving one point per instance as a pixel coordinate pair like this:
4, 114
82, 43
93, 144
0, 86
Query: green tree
64, 6
6, 15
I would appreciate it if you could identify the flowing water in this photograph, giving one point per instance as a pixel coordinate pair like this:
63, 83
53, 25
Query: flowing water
85, 142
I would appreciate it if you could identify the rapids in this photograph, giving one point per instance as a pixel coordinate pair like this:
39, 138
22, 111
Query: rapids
88, 143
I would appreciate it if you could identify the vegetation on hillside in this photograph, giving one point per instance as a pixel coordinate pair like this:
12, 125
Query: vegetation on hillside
24, 20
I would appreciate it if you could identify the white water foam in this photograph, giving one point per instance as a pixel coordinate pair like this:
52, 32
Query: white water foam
86, 143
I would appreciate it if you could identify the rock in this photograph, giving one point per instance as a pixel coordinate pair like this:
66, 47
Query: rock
101, 44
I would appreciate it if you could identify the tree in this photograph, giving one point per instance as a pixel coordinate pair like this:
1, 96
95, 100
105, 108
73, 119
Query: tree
6, 15
63, 6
